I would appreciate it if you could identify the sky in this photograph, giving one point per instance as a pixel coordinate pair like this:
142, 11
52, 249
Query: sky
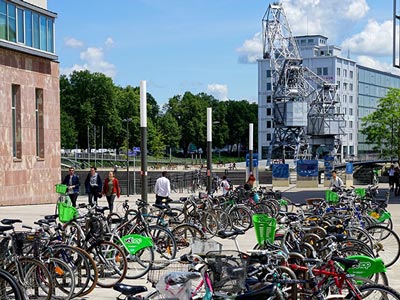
209, 46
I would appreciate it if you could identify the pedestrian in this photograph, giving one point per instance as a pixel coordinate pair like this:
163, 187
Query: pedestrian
162, 189
111, 189
336, 181
249, 183
73, 184
93, 186
391, 178
396, 180
226, 186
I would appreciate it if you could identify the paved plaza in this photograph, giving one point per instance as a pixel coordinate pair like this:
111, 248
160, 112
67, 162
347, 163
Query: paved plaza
30, 213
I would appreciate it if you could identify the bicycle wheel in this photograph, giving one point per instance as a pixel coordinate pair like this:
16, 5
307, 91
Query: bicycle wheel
185, 235
241, 218
82, 265
386, 243
111, 262
139, 263
164, 244
63, 278
9, 288
377, 291
33, 277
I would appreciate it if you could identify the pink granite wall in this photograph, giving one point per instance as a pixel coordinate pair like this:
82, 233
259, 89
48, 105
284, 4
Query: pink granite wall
29, 180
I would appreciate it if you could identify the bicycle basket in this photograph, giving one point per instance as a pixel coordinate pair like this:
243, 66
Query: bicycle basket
25, 243
61, 188
228, 270
66, 212
331, 197
265, 228
154, 275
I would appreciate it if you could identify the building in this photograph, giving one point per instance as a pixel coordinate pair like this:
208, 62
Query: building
29, 103
358, 89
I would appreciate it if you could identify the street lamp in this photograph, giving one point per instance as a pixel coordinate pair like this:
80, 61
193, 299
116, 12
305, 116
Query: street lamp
127, 153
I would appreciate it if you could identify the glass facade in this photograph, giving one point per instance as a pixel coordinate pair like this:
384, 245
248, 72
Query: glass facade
24, 27
372, 86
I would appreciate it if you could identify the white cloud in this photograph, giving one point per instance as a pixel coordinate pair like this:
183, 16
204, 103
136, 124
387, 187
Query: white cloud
73, 43
219, 91
94, 61
375, 39
251, 50
109, 42
373, 63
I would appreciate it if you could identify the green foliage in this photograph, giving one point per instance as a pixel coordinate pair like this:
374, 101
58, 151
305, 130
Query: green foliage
92, 104
382, 127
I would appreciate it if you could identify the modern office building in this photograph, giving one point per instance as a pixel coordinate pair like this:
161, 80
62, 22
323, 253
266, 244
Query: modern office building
29, 103
358, 89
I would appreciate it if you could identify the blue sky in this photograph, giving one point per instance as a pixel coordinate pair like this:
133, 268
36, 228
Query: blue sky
206, 45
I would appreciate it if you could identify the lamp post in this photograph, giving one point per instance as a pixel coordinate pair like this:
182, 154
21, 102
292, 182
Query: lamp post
143, 140
251, 148
127, 154
209, 149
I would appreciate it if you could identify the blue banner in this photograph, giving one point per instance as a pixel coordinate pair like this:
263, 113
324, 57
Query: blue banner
328, 164
255, 160
349, 168
280, 171
307, 168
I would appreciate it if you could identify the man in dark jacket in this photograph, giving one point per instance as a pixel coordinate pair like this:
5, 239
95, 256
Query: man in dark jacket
72, 181
93, 185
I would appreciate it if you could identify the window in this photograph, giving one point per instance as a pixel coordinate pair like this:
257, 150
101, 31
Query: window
39, 124
351, 74
338, 71
16, 121
28, 28
350, 136
325, 71
338, 85
310, 41
344, 73
268, 136
351, 86
351, 99
268, 73
351, 124
269, 124
345, 86
350, 111
3, 20
43, 33
269, 99
12, 23
319, 71
269, 111
344, 98
21, 26
36, 30
268, 86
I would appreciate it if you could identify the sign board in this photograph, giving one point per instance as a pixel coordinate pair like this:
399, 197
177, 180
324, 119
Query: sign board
255, 160
280, 171
349, 168
307, 168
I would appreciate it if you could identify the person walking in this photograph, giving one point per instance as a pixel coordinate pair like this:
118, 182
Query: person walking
336, 181
73, 184
111, 189
162, 189
391, 177
93, 186
226, 186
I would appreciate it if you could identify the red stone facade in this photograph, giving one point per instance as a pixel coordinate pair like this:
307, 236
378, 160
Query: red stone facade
29, 180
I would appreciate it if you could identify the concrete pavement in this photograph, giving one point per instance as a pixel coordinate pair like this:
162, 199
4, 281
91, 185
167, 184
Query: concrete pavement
31, 213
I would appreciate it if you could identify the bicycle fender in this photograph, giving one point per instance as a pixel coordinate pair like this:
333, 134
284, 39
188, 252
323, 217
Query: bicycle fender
366, 266
135, 242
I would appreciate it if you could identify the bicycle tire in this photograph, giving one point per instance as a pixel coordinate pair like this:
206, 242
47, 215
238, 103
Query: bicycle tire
164, 244
241, 218
386, 243
111, 263
63, 278
385, 292
82, 264
36, 281
9, 287
185, 235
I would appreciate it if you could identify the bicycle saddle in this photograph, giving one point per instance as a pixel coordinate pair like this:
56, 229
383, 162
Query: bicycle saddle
129, 290
10, 221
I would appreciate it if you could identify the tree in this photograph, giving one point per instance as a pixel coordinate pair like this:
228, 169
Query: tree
382, 127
